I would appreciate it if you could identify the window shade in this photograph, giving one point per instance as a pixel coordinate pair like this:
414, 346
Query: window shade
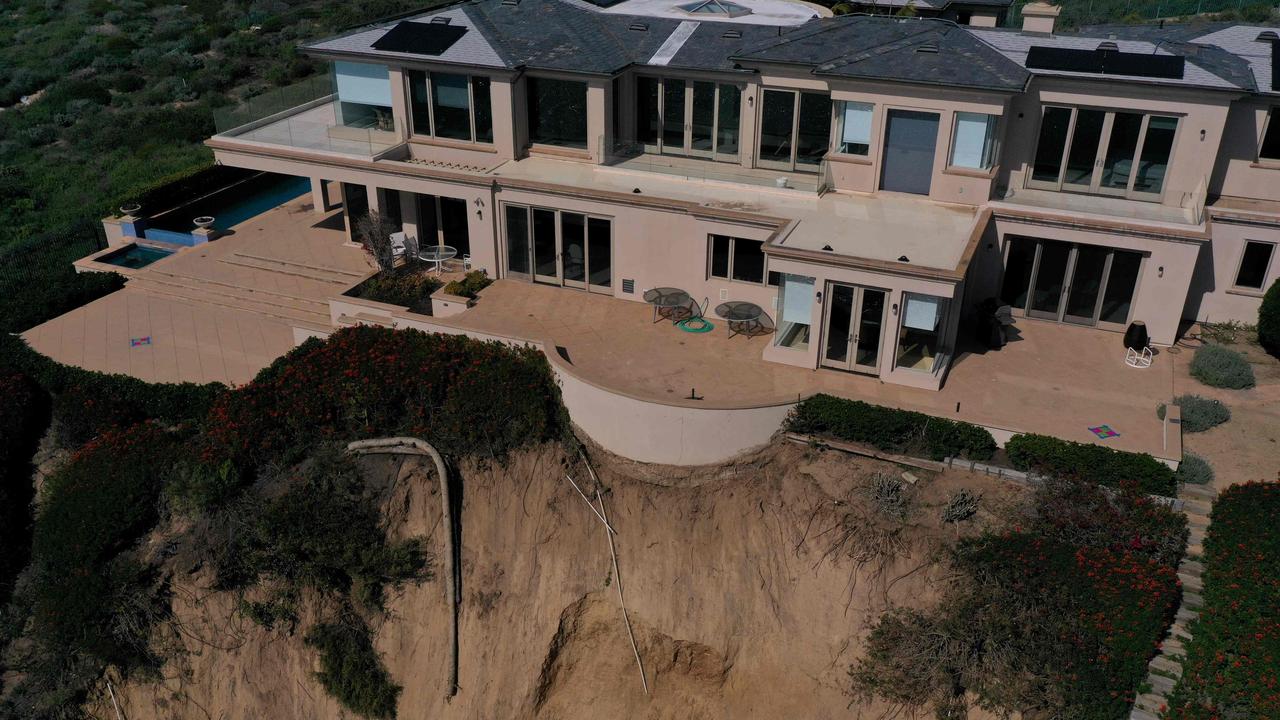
971, 147
451, 91
363, 83
797, 299
923, 313
857, 124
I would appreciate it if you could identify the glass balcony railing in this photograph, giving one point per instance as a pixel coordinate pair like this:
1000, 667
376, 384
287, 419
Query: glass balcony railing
634, 156
307, 115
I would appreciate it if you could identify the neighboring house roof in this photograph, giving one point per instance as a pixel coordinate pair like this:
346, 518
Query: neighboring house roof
1242, 41
1205, 69
929, 51
929, 4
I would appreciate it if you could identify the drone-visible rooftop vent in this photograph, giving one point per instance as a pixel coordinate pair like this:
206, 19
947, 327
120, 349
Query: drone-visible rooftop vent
1108, 47
732, 35
722, 8
930, 47
639, 27
1267, 36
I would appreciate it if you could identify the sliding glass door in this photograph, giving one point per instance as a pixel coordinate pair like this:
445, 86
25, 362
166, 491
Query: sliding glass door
690, 118
795, 130
1078, 284
1125, 154
443, 221
558, 247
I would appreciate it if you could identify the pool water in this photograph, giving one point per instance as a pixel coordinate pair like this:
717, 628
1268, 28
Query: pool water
135, 256
235, 204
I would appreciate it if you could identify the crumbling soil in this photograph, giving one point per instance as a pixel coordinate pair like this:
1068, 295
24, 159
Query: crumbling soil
750, 588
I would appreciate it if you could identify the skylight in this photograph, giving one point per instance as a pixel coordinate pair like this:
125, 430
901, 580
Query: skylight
715, 7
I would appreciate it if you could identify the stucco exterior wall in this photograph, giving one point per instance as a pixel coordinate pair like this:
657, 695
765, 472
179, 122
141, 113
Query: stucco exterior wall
1213, 296
1239, 173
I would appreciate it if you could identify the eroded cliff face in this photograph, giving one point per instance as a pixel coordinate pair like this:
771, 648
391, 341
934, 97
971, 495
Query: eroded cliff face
750, 589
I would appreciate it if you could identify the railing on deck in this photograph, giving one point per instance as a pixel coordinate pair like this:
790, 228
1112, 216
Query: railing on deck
634, 156
303, 115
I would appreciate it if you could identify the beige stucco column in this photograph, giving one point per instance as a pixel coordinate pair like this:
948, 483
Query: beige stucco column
399, 102
597, 118
319, 198
409, 214
502, 97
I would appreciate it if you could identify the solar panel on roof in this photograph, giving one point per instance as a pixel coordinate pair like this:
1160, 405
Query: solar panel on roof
419, 38
1106, 62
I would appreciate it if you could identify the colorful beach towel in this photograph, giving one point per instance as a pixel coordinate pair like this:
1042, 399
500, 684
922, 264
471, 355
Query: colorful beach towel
1103, 432
140, 341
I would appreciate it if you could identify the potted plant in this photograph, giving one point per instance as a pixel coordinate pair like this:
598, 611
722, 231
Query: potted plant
204, 222
130, 208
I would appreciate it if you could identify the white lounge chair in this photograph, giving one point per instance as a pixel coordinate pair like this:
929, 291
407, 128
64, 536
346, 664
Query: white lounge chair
1138, 359
397, 244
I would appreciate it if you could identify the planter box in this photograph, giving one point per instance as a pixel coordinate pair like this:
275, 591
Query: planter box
445, 305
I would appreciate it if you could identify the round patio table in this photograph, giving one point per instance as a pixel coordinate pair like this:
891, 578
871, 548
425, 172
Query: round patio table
670, 303
743, 317
437, 254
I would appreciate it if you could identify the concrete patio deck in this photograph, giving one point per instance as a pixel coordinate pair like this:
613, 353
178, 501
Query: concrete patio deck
1057, 380
218, 312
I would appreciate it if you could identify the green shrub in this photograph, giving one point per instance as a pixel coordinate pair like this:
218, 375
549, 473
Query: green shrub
408, 285
87, 403
1233, 658
1198, 413
1090, 463
1194, 470
891, 430
24, 415
470, 285
1217, 366
351, 670
1269, 320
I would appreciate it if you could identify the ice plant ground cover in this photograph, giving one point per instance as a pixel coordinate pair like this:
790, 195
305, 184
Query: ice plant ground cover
1232, 668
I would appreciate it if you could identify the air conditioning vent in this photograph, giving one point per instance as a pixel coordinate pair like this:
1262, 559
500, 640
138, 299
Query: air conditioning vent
724, 294
639, 27
629, 287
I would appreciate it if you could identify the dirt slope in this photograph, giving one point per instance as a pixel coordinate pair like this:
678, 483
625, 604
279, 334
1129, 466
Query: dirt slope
741, 603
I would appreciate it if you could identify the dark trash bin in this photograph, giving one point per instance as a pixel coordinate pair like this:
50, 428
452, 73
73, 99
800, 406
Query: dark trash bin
1136, 338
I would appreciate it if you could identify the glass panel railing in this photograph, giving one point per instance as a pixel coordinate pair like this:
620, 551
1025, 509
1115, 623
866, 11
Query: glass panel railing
634, 156
305, 115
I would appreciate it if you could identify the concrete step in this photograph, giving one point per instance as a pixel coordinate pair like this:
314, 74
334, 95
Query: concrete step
1160, 684
1186, 615
1202, 492
1151, 702
1198, 506
1165, 665
1179, 631
231, 289
1191, 567
281, 263
308, 318
1138, 714
281, 267
1192, 599
220, 292
1197, 520
1173, 648
1195, 549
366, 319
1191, 582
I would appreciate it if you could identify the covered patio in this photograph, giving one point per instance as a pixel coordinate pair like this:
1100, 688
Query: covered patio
1052, 379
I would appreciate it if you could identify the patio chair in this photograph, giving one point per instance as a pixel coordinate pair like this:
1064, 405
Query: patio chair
397, 244
1138, 358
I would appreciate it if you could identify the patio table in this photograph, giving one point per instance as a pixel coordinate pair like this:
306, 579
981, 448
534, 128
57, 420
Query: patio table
437, 254
743, 317
673, 304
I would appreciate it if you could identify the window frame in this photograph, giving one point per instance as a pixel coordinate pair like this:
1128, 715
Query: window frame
1271, 123
990, 145
942, 351
528, 112
837, 140
769, 279
430, 102
1096, 189
793, 164
1266, 270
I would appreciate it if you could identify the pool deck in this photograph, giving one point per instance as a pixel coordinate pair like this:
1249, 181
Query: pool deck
218, 312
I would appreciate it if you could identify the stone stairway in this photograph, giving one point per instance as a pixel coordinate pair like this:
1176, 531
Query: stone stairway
308, 312
1165, 669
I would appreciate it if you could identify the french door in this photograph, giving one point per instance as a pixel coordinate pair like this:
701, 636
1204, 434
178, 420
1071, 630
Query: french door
443, 221
1071, 283
692, 118
558, 247
795, 130
854, 325
1125, 154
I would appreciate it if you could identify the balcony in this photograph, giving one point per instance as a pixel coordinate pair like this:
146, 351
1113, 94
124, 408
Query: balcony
634, 157
1189, 210
309, 116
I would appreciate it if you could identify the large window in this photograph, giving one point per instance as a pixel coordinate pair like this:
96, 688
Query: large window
795, 129
364, 96
920, 336
731, 258
853, 131
557, 112
795, 303
1254, 263
455, 107
973, 143
1103, 152
1270, 149
558, 247
694, 118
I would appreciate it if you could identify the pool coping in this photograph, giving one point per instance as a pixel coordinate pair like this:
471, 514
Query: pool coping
91, 263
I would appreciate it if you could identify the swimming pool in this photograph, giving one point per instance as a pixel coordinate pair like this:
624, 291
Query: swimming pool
234, 204
135, 256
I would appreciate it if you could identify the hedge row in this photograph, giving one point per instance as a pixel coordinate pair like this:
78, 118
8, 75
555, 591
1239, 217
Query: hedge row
1233, 660
889, 429
87, 403
24, 416
1091, 463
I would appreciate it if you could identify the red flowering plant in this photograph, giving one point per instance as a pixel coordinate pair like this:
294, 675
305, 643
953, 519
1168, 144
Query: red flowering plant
470, 397
1232, 667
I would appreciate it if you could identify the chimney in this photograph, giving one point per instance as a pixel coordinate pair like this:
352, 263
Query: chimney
1038, 18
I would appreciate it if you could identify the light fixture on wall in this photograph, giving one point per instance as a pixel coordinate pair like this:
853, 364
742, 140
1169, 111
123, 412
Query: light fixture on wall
1161, 271
895, 308
479, 204
1202, 135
